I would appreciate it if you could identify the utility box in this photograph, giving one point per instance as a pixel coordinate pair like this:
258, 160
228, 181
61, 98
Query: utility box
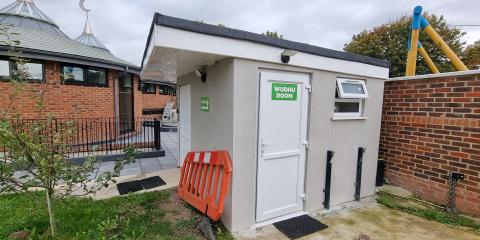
278, 107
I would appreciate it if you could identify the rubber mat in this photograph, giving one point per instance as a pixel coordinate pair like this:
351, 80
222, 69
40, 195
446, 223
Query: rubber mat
128, 187
138, 185
300, 226
152, 182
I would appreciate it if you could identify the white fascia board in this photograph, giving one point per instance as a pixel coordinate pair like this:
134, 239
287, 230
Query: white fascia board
147, 59
198, 42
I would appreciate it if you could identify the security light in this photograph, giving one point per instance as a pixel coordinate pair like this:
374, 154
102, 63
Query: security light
201, 73
285, 56
198, 73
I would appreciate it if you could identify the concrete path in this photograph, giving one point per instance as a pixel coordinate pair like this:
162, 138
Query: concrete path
170, 176
373, 220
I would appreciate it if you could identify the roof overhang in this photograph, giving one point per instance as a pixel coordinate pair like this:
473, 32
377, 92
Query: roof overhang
166, 60
176, 47
156, 82
67, 58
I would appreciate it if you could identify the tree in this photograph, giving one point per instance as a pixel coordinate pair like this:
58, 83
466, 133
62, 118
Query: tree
471, 55
389, 42
273, 34
35, 156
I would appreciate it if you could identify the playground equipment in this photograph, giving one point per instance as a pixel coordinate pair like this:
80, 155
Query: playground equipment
204, 183
414, 46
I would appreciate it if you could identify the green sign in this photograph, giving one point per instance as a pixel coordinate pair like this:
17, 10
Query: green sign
284, 91
205, 104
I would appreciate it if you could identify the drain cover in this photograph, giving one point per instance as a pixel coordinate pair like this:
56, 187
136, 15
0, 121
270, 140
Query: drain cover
300, 226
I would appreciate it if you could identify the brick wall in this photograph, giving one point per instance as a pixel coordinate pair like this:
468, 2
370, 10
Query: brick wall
137, 98
430, 128
68, 101
156, 101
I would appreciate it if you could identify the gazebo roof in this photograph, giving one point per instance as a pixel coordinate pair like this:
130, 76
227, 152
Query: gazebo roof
26, 8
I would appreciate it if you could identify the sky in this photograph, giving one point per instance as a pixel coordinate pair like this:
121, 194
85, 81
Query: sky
123, 25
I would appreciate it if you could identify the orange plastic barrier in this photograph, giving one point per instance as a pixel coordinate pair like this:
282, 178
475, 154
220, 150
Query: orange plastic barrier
204, 181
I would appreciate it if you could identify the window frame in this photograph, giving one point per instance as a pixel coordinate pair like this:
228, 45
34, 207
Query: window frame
144, 89
343, 95
121, 81
85, 69
359, 113
10, 69
163, 89
13, 67
105, 71
73, 81
42, 63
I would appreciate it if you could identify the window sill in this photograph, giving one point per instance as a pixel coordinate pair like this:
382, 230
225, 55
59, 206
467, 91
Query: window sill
348, 118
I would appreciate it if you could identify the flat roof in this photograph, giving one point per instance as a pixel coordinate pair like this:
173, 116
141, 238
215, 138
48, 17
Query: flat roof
198, 27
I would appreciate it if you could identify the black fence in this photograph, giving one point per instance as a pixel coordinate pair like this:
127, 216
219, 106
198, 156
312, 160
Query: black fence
80, 138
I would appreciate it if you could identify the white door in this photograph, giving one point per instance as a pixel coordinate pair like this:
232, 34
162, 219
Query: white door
185, 139
281, 144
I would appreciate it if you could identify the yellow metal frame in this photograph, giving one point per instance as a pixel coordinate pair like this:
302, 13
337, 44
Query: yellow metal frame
427, 59
419, 22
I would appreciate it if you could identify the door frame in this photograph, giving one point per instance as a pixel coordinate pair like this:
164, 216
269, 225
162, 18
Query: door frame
305, 113
180, 125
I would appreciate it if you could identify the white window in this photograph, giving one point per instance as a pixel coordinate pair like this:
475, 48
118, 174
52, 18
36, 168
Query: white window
348, 107
351, 88
349, 99
4, 69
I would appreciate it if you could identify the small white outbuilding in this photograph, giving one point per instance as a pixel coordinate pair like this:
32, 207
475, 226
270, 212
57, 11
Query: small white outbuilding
280, 108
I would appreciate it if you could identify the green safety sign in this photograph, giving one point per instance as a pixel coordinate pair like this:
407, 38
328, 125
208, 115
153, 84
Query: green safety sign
205, 104
284, 91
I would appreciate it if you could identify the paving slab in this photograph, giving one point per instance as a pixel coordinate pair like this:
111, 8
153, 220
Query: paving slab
145, 162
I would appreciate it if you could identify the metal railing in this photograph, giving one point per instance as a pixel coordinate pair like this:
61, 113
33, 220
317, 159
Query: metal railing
95, 136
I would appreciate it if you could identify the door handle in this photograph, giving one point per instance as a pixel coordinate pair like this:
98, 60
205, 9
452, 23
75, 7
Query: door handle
263, 144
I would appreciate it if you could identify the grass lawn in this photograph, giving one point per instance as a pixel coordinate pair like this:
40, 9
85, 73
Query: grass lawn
154, 215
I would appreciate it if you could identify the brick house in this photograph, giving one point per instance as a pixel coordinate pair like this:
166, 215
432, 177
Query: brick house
430, 129
155, 96
83, 78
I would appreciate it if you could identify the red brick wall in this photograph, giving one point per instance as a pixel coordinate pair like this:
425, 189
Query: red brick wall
430, 128
137, 98
155, 101
68, 101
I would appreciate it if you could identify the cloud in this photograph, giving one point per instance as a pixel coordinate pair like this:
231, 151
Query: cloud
123, 25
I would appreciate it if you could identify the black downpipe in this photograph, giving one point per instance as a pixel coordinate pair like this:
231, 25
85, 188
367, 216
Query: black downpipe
156, 135
380, 173
358, 181
328, 179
